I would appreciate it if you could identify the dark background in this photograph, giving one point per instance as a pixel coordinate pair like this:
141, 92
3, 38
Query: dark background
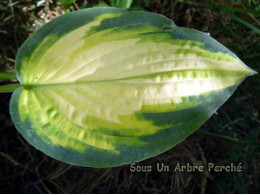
230, 136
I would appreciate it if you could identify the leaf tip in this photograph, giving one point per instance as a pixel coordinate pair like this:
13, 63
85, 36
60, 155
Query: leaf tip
251, 72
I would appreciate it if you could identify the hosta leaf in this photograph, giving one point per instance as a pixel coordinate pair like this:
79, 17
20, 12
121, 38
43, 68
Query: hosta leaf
104, 86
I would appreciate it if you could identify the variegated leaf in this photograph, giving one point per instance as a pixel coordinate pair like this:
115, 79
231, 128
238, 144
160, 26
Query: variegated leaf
103, 87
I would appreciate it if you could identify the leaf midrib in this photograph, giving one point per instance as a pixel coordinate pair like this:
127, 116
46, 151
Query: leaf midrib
30, 86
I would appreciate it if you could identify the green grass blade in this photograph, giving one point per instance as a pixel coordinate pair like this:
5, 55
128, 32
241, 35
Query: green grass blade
248, 25
7, 75
218, 135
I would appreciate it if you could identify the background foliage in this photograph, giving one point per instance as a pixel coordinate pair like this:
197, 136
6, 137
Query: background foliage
230, 136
